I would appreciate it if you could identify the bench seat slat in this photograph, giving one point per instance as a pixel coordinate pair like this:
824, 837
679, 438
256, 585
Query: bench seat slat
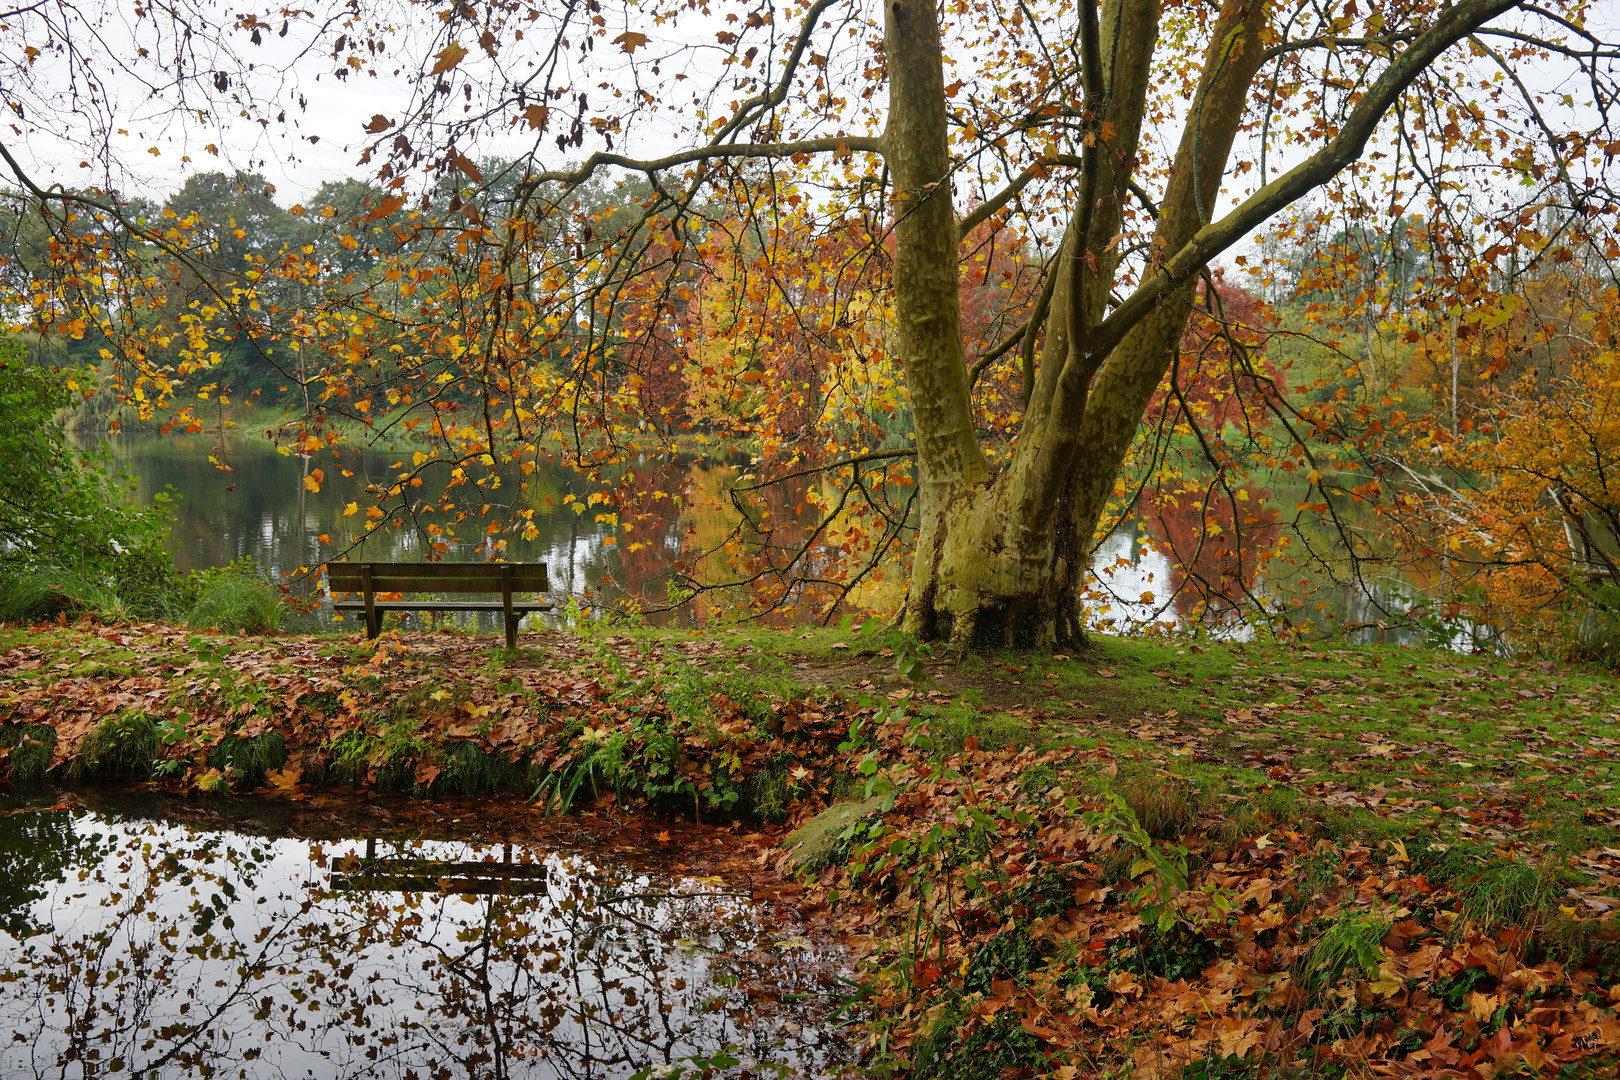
403, 577
444, 605
390, 583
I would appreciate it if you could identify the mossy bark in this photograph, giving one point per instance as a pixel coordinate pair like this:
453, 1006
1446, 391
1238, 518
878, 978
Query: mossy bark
1001, 557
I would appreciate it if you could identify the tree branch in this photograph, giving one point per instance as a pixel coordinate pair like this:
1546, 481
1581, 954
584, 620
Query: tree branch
979, 213
854, 144
1453, 25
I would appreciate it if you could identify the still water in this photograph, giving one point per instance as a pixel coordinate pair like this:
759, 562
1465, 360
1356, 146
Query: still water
136, 942
1160, 570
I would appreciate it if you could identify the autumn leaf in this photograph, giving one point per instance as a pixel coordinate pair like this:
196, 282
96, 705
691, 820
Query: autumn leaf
447, 58
536, 116
379, 123
385, 206
630, 41
312, 482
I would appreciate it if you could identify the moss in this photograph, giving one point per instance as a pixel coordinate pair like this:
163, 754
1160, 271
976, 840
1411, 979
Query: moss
816, 843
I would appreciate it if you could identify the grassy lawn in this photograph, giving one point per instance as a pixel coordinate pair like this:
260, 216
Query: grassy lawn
1150, 858
1400, 740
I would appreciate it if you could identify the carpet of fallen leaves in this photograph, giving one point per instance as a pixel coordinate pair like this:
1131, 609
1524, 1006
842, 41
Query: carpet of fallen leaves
1014, 930
412, 701
1012, 921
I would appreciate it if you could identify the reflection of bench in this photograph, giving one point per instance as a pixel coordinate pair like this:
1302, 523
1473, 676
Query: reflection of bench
370, 578
368, 873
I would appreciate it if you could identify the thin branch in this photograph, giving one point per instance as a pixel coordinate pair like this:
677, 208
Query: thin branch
875, 455
854, 144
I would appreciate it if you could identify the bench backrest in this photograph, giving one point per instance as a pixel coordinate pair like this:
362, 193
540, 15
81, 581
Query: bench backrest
436, 577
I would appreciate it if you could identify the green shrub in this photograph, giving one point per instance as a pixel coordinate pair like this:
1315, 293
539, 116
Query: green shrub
997, 1049
237, 604
1594, 629
65, 510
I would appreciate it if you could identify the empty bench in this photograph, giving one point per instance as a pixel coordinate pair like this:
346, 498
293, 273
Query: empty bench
370, 578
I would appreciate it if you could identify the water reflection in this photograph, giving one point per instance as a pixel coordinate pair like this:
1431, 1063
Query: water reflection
1195, 560
1183, 561
154, 948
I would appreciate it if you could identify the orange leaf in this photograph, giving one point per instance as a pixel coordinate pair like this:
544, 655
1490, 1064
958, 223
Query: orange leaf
385, 206
630, 41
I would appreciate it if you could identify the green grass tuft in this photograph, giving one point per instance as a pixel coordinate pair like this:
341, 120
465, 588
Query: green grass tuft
1350, 946
1166, 806
1508, 892
238, 605
467, 769
35, 595
122, 745
252, 757
30, 746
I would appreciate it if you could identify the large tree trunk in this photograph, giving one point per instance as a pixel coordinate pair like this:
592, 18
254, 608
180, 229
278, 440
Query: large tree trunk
1001, 559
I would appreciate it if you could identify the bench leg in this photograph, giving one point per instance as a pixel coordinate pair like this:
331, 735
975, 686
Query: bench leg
512, 620
373, 625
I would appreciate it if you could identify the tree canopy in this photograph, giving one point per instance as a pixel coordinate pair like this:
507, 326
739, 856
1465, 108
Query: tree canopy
932, 265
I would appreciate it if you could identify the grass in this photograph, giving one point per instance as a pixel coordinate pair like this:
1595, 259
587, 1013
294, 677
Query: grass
238, 605
251, 758
1510, 892
1348, 946
1323, 767
122, 745
34, 595
1370, 741
29, 747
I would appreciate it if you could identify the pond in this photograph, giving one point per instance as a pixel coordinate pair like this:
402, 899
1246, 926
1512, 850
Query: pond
264, 940
263, 511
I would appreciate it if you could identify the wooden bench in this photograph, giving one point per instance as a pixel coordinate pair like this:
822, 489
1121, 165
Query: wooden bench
370, 578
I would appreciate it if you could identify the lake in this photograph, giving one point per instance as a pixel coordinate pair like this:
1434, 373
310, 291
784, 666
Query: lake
262, 510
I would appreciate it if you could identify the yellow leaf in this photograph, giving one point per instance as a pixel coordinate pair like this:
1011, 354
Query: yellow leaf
351, 510
447, 58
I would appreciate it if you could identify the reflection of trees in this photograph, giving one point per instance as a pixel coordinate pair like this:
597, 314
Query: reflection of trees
230, 953
39, 847
1215, 546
